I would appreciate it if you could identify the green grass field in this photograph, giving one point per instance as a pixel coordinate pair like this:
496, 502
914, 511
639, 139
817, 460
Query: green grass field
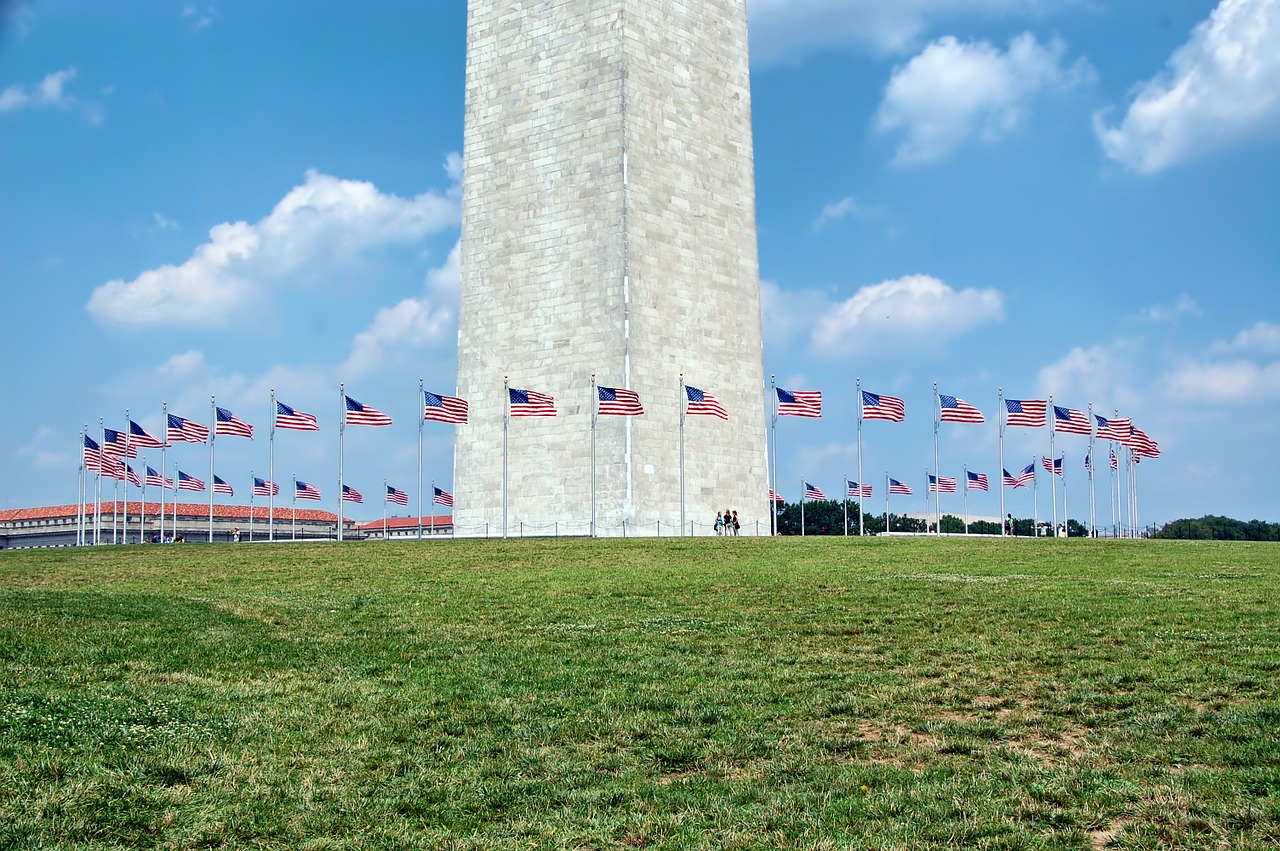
576, 694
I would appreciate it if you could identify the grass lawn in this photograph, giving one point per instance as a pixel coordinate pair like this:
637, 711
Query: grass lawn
576, 694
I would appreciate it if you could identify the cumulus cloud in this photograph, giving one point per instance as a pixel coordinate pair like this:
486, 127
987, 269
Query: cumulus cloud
1228, 382
784, 28
1185, 305
905, 311
51, 91
836, 211
1100, 374
1263, 338
955, 90
413, 323
790, 313
320, 226
1218, 90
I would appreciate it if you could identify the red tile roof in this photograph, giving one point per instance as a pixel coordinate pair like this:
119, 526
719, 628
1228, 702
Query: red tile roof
408, 523
185, 509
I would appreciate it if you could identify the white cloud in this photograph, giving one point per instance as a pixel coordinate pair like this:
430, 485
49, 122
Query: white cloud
51, 91
1230, 382
318, 228
163, 222
954, 90
902, 312
1218, 90
783, 28
786, 314
836, 211
411, 324
1185, 305
1100, 374
1263, 338
200, 18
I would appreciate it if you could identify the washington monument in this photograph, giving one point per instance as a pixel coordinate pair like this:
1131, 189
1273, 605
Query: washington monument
609, 230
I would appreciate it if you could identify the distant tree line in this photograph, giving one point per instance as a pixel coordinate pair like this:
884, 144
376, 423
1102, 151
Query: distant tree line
827, 517
1214, 528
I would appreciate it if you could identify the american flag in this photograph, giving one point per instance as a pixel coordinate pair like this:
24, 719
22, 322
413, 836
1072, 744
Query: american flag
358, 414
1113, 429
813, 492
444, 409
898, 488
132, 475
774, 496
1068, 421
977, 481
861, 491
113, 444
442, 497
156, 480
530, 403
1053, 465
397, 496
1141, 444
1028, 474
181, 430
701, 402
265, 487
955, 410
219, 486
97, 462
799, 403
614, 401
1029, 413
229, 423
876, 406
139, 437
290, 418
350, 494
189, 483
302, 490
1115, 462
942, 484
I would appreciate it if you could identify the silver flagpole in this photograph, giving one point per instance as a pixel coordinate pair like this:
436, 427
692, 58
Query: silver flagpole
342, 427
886, 503
295, 507
506, 427
846, 505
128, 434
422, 417
165, 416
80, 490
1035, 500
683, 399
253, 485
173, 532
115, 511
142, 507
773, 506
595, 395
1093, 465
1053, 476
861, 529
213, 434
1002, 417
384, 500
937, 423
271, 471
1066, 517
433, 506
97, 494
966, 499
802, 495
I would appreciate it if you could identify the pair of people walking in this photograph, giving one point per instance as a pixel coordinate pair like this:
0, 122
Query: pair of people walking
727, 523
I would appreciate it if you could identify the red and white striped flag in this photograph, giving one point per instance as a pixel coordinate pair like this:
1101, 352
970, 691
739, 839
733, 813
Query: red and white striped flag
702, 402
953, 410
358, 414
614, 401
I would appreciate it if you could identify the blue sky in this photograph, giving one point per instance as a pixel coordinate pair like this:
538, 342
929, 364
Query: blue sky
1069, 197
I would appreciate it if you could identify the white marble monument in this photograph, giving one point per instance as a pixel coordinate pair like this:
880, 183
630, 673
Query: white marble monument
608, 228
